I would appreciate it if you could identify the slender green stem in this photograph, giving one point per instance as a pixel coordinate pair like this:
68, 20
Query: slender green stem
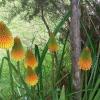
86, 85
89, 38
61, 60
53, 76
82, 84
53, 92
10, 73
18, 66
96, 63
41, 83
22, 80
32, 93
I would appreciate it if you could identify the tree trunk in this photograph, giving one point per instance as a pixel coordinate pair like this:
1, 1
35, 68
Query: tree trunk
76, 47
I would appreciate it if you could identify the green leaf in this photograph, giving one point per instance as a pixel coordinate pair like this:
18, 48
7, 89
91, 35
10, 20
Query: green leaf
1, 67
62, 95
92, 94
97, 97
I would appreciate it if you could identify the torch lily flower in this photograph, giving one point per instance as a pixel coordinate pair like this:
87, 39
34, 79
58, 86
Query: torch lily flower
52, 45
85, 60
31, 78
17, 52
30, 60
6, 38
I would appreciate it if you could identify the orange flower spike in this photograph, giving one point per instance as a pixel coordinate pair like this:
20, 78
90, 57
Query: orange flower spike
85, 60
31, 78
17, 52
30, 60
52, 45
6, 38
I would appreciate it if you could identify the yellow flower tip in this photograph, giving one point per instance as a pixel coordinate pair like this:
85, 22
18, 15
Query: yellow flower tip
17, 52
31, 79
17, 55
30, 60
6, 38
6, 41
85, 64
85, 60
52, 45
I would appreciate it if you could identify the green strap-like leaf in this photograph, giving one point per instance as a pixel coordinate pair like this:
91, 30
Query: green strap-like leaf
92, 94
62, 95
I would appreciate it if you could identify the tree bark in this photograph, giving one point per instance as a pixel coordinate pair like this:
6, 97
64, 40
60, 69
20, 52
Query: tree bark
76, 47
